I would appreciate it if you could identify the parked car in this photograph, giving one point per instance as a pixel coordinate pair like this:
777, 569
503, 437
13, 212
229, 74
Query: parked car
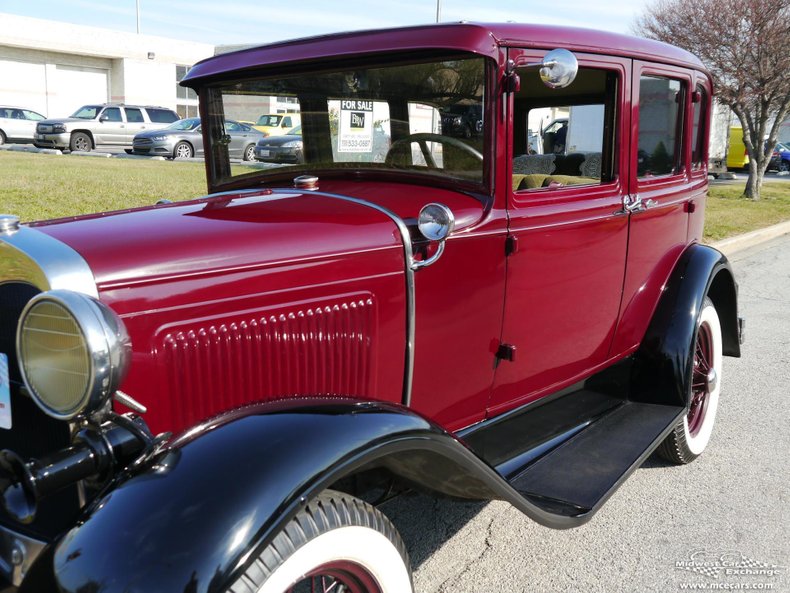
214, 395
17, 124
464, 121
109, 124
281, 149
780, 158
183, 139
273, 124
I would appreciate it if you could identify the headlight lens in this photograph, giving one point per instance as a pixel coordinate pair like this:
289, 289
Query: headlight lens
59, 128
73, 352
158, 138
293, 144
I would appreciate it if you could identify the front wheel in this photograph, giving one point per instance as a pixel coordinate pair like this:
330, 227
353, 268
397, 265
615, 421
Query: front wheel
182, 150
691, 435
249, 153
80, 142
335, 543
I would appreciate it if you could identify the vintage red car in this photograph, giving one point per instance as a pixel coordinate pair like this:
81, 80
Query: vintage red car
479, 317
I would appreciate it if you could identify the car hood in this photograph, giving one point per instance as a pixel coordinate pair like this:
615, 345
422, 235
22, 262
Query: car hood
278, 140
64, 120
218, 234
173, 133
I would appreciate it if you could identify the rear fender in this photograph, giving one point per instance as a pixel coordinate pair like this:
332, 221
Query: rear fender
203, 508
662, 364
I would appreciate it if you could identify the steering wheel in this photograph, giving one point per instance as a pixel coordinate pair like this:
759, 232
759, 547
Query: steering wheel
422, 140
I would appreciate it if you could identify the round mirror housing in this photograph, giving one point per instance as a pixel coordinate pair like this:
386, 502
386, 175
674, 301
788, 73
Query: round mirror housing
558, 69
436, 221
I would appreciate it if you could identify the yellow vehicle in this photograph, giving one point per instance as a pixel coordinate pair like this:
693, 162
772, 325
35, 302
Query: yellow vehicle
277, 124
736, 154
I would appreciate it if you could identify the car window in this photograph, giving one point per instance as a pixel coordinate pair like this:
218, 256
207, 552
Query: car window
286, 122
560, 135
87, 112
660, 121
232, 126
366, 117
161, 116
112, 114
32, 115
134, 115
698, 130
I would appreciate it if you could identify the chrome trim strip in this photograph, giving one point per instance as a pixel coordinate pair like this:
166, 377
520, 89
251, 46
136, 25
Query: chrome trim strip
34, 257
17, 554
408, 256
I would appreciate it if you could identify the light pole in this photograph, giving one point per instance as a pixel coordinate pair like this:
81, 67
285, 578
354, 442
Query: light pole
138, 16
438, 10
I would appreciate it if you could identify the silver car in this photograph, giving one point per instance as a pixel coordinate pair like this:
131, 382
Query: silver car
17, 124
108, 124
183, 140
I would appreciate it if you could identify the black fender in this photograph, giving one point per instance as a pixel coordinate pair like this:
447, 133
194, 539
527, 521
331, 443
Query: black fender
201, 510
662, 364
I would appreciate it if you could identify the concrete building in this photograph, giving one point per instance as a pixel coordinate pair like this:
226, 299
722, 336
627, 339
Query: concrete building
54, 67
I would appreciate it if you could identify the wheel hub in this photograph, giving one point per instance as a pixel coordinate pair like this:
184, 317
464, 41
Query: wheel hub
711, 380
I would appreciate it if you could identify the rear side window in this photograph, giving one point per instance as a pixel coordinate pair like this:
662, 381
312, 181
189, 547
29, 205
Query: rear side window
699, 131
161, 116
134, 115
660, 123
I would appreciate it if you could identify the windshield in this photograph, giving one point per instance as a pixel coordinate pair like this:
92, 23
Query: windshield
269, 120
184, 124
385, 117
87, 112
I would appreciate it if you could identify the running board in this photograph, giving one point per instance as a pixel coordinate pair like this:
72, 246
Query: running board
575, 478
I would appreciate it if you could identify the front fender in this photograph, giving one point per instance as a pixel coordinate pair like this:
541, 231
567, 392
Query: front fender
662, 365
191, 520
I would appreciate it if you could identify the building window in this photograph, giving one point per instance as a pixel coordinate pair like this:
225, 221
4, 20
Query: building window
183, 92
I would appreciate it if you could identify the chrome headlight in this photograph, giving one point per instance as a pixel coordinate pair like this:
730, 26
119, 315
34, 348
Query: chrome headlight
59, 128
73, 352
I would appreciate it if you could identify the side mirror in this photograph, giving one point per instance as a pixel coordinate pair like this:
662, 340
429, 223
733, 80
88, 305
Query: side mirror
558, 69
104, 118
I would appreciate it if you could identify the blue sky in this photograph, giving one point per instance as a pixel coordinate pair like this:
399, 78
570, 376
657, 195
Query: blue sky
262, 21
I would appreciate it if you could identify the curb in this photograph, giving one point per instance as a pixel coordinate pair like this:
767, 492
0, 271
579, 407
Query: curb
738, 243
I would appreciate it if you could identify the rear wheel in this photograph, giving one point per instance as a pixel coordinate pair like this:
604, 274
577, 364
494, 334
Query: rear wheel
2, 137
182, 150
784, 166
691, 435
80, 142
337, 543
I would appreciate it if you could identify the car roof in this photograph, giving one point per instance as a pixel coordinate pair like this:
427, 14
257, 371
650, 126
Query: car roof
480, 38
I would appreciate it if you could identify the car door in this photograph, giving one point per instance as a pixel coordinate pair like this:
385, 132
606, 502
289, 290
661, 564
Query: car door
112, 127
135, 123
661, 187
237, 138
31, 119
568, 230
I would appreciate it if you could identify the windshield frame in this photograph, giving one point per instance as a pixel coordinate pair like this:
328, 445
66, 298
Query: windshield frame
218, 166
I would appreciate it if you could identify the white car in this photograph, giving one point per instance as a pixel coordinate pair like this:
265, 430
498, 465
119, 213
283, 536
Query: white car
17, 124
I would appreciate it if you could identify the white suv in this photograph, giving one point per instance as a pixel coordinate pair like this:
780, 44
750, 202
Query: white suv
101, 125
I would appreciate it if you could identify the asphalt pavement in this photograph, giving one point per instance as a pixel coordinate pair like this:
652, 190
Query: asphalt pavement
727, 510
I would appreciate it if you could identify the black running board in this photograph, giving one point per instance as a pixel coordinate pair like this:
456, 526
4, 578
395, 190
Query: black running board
575, 478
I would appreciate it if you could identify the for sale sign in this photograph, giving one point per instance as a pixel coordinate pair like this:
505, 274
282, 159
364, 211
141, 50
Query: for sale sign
356, 126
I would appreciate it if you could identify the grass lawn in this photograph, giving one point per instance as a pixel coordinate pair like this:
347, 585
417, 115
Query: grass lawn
727, 214
39, 186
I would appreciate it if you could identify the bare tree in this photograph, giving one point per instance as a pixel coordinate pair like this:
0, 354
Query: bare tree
744, 45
